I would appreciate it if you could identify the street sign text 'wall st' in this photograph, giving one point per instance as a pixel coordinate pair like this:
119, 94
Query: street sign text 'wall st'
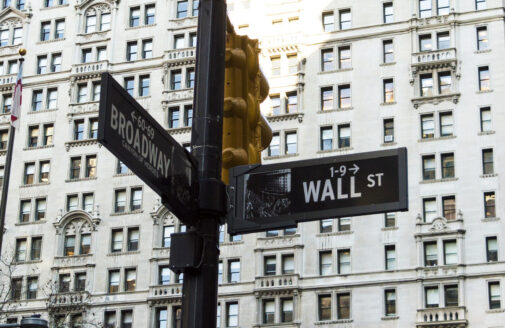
280, 195
133, 135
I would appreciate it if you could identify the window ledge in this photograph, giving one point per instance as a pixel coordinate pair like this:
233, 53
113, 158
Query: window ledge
388, 144
91, 33
335, 233
437, 138
329, 322
280, 156
484, 91
334, 150
435, 99
73, 256
335, 110
82, 142
493, 219
231, 243
482, 51
27, 262
388, 64
486, 133
38, 147
127, 213
437, 180
392, 317
143, 97
53, 7
278, 237
181, 130
388, 103
285, 117
389, 228
490, 175
49, 41
80, 179
34, 185
139, 27
123, 174
495, 311
30, 222
42, 111
123, 253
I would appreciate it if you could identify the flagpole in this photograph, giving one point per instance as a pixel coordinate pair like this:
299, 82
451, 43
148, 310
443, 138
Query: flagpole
7, 167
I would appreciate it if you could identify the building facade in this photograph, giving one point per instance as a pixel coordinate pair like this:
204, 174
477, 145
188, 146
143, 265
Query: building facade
90, 243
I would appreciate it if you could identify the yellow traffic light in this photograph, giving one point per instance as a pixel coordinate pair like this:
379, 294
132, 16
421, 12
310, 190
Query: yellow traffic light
245, 131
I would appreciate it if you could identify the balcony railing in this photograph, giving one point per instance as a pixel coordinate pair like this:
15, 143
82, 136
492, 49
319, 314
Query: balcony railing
277, 282
444, 316
91, 68
8, 79
432, 57
69, 299
180, 54
165, 291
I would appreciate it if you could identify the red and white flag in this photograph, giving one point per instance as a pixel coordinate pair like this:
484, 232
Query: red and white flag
18, 98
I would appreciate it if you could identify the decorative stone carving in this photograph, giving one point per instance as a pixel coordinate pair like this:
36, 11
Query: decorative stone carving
439, 224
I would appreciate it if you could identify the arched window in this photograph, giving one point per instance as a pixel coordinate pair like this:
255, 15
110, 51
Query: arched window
77, 237
97, 18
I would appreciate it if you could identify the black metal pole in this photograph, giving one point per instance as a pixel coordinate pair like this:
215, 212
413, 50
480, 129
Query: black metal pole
5, 186
199, 299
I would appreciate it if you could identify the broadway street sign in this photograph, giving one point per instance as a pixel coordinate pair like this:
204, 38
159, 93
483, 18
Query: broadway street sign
280, 195
130, 133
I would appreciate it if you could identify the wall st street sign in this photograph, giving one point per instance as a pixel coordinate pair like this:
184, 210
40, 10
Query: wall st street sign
132, 135
280, 195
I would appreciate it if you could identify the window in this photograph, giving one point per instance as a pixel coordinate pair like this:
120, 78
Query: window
134, 16
328, 22
144, 86
482, 38
129, 85
161, 318
276, 66
426, 85
388, 12
389, 96
164, 275
56, 62
389, 130
195, 7
131, 51
425, 42
449, 207
86, 56
270, 265
20, 4
447, 165
427, 126
85, 246
88, 201
113, 281
494, 295
345, 19
16, 285
101, 54
33, 136
424, 8
480, 4
117, 240
450, 252
272, 233
25, 210
431, 297
90, 166
344, 57
126, 319
82, 93
29, 173
178, 41
485, 119
288, 264
268, 311
72, 202
175, 80
80, 282
232, 314
90, 23
149, 14
274, 148
93, 128
13, 66
40, 209
489, 204
188, 115
120, 201
390, 257
7, 103
291, 143
44, 168
41, 64
4, 38
327, 138
327, 98
451, 295
344, 261
182, 9
444, 83
133, 239
292, 63
324, 307
287, 310
276, 104
75, 167
343, 306
45, 31
344, 136
234, 271
430, 254
389, 220
487, 161
167, 231
4, 136
327, 60
69, 246
64, 283
387, 46
110, 319
220, 273
484, 82
147, 49
37, 100
429, 209
491, 249
105, 22
344, 96
21, 250
121, 168
136, 199
52, 98
446, 124
442, 7
443, 40
130, 280
192, 39
390, 302
292, 102
173, 117
32, 287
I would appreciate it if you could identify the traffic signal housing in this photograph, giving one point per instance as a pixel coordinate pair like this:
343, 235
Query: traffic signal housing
245, 131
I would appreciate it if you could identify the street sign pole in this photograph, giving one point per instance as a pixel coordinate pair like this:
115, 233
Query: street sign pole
199, 300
